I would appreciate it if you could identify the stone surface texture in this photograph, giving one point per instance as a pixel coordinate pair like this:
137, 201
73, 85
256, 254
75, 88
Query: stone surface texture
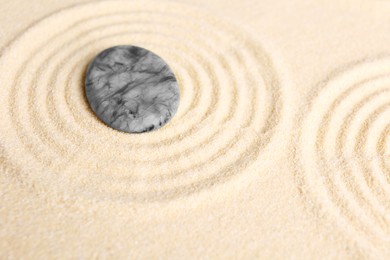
131, 89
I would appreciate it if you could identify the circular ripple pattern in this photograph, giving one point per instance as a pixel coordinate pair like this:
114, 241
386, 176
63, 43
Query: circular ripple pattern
342, 147
231, 102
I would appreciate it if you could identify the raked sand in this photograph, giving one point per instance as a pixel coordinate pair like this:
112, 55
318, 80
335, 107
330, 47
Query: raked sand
279, 149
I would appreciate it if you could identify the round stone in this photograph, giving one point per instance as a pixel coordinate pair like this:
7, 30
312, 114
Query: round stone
131, 89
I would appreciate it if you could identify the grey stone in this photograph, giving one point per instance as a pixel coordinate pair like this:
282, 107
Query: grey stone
131, 89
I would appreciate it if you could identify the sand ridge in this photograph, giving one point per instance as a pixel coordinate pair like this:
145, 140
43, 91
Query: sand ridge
341, 149
231, 101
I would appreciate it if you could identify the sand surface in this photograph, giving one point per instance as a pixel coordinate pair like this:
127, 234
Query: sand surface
279, 149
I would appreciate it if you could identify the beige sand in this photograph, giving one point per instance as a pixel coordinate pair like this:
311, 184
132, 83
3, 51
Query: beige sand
279, 148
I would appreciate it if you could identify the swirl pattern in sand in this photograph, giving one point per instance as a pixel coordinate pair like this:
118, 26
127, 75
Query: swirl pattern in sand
231, 102
342, 150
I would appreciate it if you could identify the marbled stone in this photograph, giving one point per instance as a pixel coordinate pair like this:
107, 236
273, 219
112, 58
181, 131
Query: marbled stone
131, 89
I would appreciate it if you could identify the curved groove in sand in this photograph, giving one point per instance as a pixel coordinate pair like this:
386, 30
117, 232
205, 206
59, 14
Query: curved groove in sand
232, 93
340, 144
